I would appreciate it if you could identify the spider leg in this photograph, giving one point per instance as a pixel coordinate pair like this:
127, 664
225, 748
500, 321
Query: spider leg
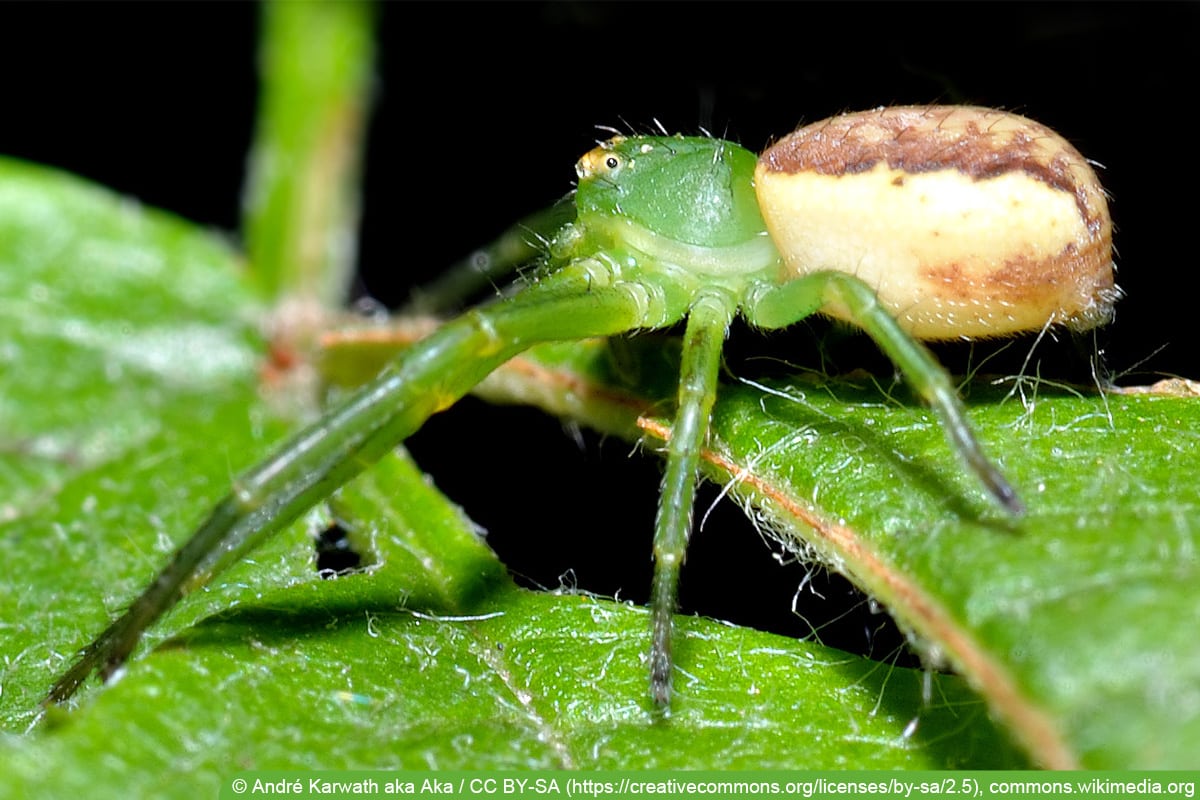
780, 306
577, 302
708, 322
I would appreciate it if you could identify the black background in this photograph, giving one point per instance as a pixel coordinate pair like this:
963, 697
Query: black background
482, 111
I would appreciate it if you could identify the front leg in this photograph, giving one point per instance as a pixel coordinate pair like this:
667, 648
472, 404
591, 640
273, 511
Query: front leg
330, 452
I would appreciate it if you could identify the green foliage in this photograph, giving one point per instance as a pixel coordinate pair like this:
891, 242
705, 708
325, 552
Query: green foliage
1073, 621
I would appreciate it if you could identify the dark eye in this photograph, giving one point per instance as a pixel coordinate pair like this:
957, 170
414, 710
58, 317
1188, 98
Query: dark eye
612, 162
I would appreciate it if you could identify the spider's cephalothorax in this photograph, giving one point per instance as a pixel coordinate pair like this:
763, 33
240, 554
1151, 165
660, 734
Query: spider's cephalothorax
692, 190
914, 222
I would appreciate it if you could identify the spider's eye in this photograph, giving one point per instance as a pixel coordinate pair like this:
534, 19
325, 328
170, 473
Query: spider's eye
600, 162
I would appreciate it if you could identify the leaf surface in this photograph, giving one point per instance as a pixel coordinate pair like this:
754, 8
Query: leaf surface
1074, 621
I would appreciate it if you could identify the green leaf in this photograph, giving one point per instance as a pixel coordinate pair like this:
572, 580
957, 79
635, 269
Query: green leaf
1075, 622
130, 397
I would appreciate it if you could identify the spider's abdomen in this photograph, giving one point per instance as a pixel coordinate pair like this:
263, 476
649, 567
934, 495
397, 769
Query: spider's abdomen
968, 222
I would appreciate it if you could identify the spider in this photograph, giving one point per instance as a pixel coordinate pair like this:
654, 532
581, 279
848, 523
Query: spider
910, 222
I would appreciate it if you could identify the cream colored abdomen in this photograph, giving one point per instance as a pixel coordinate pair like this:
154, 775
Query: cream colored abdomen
952, 250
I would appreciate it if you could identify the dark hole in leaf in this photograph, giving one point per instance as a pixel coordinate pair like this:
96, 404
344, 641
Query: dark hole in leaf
335, 553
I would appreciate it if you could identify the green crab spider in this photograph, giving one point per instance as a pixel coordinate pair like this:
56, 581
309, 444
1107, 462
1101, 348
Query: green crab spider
923, 222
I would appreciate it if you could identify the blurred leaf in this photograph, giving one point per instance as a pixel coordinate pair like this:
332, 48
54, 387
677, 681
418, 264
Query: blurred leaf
130, 397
